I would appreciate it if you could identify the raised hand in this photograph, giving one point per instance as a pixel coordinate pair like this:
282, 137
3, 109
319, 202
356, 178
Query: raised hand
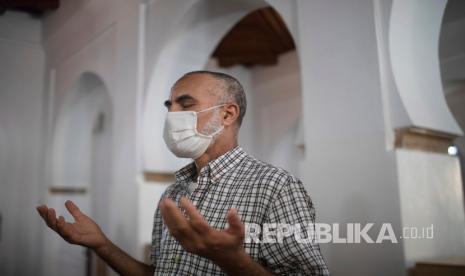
198, 237
84, 231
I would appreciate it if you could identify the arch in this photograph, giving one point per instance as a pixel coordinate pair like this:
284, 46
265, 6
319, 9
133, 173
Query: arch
197, 29
414, 29
454, 92
88, 98
82, 157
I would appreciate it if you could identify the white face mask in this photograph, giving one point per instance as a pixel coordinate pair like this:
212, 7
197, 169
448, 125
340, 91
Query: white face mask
181, 135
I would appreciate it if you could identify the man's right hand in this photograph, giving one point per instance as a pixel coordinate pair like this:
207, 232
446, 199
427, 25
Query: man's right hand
84, 231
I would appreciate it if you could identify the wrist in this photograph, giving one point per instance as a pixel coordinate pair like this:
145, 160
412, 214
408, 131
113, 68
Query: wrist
104, 247
236, 263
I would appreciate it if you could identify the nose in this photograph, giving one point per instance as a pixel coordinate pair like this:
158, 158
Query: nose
174, 108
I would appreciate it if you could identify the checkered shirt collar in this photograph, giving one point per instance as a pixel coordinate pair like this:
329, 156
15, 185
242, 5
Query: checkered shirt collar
216, 167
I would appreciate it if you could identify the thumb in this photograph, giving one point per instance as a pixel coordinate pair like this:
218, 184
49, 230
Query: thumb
73, 210
235, 224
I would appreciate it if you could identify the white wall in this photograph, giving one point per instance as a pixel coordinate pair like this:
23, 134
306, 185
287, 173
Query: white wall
81, 157
277, 111
414, 44
348, 172
101, 37
21, 120
149, 196
431, 193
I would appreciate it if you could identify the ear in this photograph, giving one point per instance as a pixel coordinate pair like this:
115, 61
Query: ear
231, 114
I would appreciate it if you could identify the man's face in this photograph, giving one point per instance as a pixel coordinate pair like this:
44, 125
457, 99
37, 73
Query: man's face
195, 93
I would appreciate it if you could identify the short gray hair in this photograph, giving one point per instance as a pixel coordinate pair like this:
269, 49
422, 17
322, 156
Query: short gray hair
232, 90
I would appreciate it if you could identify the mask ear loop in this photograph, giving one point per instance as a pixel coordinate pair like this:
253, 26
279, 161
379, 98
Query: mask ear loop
210, 108
196, 122
218, 131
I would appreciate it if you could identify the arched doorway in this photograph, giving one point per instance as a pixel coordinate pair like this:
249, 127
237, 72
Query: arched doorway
82, 168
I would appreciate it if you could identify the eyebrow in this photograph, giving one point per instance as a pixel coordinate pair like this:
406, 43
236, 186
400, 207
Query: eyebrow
180, 100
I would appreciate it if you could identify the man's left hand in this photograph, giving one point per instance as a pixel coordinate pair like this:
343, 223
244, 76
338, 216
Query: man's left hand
197, 236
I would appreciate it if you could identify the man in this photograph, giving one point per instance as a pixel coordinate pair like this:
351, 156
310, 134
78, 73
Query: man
199, 226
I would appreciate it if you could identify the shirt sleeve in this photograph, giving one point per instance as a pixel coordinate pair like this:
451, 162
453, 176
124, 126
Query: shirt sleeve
290, 255
156, 237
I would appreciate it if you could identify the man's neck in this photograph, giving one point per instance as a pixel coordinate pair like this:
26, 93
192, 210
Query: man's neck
212, 153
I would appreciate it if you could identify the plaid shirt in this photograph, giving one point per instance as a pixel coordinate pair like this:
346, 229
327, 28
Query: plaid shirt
261, 194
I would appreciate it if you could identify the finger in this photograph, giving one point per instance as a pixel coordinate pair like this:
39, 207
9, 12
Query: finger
60, 224
73, 210
197, 221
235, 224
175, 221
42, 210
65, 230
51, 219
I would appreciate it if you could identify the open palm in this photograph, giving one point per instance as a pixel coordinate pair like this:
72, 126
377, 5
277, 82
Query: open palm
84, 231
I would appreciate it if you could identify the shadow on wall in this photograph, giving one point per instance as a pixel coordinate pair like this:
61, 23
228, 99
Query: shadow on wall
455, 97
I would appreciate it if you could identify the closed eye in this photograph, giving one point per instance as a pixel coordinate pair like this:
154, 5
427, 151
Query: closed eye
187, 106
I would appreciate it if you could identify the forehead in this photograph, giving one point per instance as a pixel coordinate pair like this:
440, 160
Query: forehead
198, 86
